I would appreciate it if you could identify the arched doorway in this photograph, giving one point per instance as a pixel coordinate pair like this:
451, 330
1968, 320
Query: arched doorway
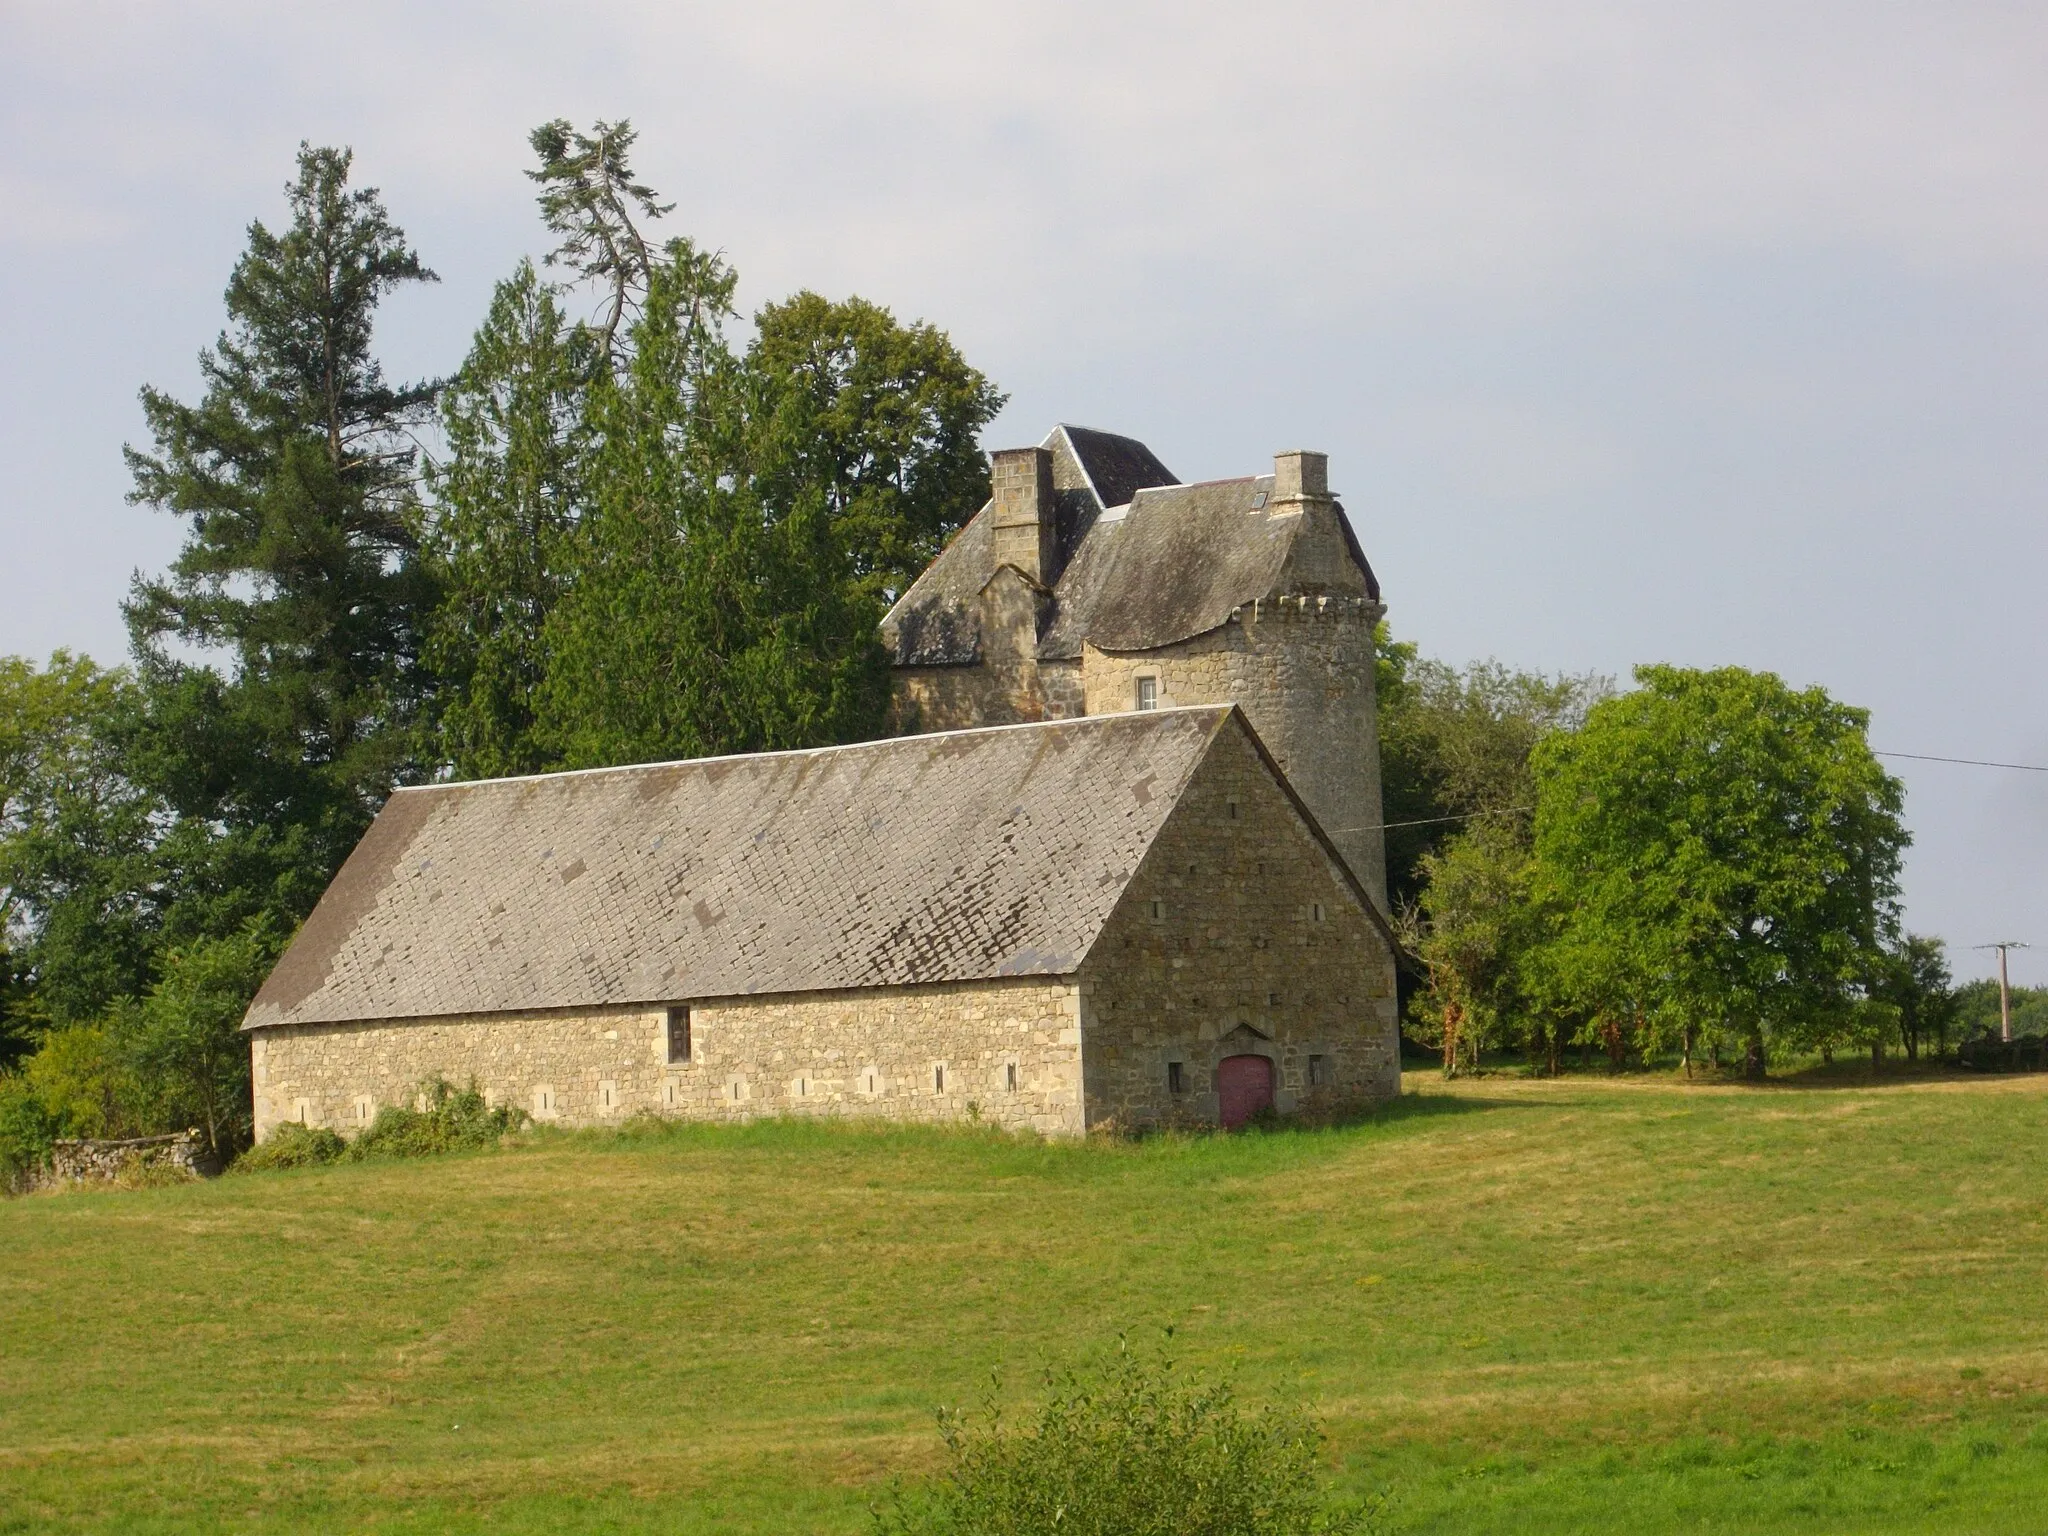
1244, 1087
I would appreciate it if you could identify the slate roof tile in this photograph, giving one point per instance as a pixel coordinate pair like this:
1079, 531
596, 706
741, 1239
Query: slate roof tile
953, 857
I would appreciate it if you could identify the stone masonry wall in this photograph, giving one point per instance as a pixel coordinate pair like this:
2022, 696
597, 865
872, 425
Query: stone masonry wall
1237, 935
1302, 669
1010, 685
919, 1053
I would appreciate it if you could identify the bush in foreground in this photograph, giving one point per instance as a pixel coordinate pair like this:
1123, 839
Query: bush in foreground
293, 1145
1131, 1451
449, 1119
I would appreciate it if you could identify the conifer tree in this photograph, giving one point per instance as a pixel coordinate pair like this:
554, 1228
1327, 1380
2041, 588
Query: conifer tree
507, 501
295, 473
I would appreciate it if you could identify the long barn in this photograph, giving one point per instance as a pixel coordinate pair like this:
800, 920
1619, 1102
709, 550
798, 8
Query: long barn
1123, 919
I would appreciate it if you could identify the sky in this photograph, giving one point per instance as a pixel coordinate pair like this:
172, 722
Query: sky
1706, 333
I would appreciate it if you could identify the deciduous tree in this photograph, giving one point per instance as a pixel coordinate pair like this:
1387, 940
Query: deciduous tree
1722, 848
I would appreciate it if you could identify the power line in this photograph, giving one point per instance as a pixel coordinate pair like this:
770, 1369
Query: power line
1518, 810
1967, 762
1436, 821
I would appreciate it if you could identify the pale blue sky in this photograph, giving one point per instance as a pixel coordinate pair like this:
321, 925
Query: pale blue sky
1692, 332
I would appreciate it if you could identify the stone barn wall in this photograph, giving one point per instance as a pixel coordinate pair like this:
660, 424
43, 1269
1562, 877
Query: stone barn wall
914, 1053
1236, 936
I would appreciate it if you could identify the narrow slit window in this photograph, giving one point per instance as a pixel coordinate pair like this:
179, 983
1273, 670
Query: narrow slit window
678, 1036
1233, 809
1315, 911
1176, 1079
1148, 693
1158, 911
938, 1079
1010, 1076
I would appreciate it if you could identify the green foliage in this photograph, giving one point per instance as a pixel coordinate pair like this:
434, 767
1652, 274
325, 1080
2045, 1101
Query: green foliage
588, 196
85, 1083
1914, 983
184, 1043
506, 503
1721, 851
1976, 1009
1474, 927
655, 547
874, 422
80, 892
294, 473
292, 1145
450, 1119
1455, 746
694, 620
1128, 1451
27, 1129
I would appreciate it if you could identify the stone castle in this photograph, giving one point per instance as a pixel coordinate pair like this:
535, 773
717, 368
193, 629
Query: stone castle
1094, 582
1123, 866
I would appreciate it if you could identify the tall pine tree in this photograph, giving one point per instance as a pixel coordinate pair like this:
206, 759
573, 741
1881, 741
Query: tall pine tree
295, 474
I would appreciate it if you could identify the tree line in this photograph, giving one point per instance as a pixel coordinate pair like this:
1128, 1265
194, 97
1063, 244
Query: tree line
632, 526
1703, 869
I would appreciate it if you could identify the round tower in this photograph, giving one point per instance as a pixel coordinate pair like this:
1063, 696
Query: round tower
1299, 660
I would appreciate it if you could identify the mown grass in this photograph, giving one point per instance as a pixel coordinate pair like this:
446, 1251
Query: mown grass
1546, 1307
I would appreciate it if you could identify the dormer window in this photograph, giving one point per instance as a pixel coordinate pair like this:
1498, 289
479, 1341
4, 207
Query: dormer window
1148, 693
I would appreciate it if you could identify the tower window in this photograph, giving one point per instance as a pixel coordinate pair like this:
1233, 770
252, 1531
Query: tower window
1148, 693
678, 1035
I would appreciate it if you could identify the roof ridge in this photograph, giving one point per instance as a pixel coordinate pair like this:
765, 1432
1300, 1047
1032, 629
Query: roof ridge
843, 746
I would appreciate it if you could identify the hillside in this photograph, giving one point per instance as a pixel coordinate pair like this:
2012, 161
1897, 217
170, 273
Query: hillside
1531, 1306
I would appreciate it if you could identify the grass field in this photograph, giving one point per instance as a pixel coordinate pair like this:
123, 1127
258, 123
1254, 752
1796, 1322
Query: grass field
1521, 1306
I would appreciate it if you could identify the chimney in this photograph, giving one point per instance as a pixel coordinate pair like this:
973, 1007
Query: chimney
1026, 536
1300, 477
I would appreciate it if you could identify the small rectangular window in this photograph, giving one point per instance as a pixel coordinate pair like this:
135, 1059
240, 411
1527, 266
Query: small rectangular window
678, 1035
1315, 911
1318, 1071
1010, 1073
939, 1079
1233, 810
1175, 1081
1148, 693
1158, 911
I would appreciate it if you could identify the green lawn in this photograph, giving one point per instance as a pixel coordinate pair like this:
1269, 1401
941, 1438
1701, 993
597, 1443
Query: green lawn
1576, 1306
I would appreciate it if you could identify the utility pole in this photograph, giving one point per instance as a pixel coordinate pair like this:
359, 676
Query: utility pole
2004, 989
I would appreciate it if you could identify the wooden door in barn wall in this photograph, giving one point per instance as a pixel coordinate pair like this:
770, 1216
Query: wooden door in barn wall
1244, 1086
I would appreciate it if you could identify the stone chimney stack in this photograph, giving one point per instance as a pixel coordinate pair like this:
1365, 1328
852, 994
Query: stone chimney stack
1300, 477
1026, 535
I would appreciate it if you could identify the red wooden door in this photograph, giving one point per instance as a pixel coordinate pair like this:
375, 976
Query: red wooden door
1244, 1086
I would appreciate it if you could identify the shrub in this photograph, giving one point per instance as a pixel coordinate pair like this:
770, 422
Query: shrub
1130, 1452
454, 1120
293, 1145
26, 1130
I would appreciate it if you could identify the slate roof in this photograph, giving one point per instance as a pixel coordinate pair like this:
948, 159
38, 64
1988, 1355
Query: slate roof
1162, 563
952, 857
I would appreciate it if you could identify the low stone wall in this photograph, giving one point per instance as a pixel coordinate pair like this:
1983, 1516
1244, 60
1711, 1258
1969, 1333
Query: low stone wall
140, 1160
